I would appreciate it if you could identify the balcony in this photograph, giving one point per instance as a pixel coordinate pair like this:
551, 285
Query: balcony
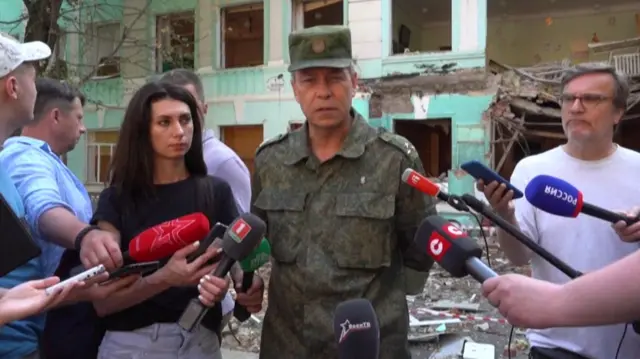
437, 61
241, 81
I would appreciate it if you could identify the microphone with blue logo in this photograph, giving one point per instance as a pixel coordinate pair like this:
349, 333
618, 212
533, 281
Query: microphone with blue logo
559, 197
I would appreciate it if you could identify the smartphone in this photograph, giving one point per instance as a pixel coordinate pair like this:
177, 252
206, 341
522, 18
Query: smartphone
217, 231
18, 246
481, 172
84, 276
143, 269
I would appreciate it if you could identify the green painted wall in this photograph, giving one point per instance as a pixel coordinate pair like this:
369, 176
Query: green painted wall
241, 96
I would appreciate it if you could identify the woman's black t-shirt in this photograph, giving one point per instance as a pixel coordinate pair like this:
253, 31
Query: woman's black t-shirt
209, 195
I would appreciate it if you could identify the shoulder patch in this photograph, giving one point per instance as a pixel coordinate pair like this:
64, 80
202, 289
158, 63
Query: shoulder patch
271, 141
399, 142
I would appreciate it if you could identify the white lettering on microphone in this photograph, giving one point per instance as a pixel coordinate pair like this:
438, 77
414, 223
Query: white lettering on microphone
347, 328
562, 195
170, 232
435, 246
415, 179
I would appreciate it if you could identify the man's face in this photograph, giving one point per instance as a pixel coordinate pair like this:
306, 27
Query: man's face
202, 107
70, 124
20, 88
588, 112
325, 94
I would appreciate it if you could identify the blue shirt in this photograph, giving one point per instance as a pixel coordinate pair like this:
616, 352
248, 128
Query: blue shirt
44, 182
20, 338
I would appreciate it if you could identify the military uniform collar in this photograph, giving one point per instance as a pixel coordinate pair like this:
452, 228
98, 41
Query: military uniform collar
353, 146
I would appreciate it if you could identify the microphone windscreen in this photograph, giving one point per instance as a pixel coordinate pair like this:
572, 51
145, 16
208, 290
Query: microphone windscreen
447, 244
356, 330
554, 196
243, 236
164, 239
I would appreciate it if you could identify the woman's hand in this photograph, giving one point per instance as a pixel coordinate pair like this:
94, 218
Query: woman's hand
30, 298
212, 289
178, 273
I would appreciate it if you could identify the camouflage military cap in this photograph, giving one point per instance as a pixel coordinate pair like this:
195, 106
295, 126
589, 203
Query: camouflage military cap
320, 46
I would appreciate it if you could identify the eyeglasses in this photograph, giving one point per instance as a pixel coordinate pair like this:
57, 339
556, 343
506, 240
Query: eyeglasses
588, 100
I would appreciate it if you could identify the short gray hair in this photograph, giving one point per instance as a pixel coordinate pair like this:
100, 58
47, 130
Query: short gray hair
621, 84
184, 77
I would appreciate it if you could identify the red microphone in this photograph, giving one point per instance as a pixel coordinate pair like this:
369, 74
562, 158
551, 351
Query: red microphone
414, 179
164, 239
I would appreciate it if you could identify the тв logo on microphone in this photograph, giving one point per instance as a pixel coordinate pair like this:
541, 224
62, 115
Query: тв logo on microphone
347, 328
414, 178
453, 230
437, 246
240, 230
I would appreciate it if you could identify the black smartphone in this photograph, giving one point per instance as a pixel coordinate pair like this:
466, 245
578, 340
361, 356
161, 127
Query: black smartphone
217, 231
18, 246
143, 268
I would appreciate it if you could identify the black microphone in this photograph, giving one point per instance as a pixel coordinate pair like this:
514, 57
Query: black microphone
452, 248
356, 329
478, 206
242, 237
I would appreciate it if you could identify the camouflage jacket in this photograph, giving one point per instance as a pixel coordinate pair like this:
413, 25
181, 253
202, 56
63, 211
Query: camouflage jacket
338, 230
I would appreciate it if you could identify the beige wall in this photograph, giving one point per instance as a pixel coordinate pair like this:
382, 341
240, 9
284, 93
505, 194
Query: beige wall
523, 41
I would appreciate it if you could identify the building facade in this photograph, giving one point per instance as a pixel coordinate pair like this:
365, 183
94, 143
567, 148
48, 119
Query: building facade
421, 64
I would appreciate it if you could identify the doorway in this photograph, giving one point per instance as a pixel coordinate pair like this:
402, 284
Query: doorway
432, 140
244, 140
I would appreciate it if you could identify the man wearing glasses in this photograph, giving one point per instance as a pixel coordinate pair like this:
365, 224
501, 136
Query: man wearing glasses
593, 101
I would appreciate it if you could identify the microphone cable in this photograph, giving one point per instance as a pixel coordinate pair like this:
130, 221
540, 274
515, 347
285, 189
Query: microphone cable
624, 333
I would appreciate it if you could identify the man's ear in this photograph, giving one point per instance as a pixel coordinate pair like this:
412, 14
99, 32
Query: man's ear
11, 87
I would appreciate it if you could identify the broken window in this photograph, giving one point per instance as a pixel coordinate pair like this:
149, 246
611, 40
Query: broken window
243, 36
423, 26
175, 37
309, 13
107, 39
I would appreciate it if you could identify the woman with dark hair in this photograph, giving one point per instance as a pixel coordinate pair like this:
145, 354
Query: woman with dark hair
158, 174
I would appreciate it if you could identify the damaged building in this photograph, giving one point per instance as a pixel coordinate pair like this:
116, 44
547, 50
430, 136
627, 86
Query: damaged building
455, 107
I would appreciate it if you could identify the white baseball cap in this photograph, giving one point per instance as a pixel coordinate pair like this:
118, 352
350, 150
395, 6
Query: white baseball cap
14, 53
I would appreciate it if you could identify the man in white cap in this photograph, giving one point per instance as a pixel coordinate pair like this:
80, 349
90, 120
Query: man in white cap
18, 339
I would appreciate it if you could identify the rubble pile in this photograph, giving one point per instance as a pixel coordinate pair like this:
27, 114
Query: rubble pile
527, 100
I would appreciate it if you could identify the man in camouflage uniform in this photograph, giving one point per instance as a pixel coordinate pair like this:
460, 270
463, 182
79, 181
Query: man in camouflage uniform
340, 221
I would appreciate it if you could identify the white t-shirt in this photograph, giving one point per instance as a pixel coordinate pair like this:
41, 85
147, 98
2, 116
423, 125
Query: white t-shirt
584, 243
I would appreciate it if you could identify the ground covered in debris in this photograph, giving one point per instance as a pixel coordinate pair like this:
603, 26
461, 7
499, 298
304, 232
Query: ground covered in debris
436, 332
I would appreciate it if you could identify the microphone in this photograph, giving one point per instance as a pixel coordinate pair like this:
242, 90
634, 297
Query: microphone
164, 239
421, 183
452, 248
478, 206
555, 196
416, 180
249, 265
242, 237
356, 329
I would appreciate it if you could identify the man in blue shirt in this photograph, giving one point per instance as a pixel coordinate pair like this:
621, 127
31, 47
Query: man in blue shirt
44, 182
19, 339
